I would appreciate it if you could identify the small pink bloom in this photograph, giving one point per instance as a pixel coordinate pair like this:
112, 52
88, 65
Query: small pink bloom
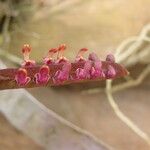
79, 57
60, 71
80, 73
110, 72
21, 77
60, 57
110, 58
48, 60
93, 57
43, 76
26, 49
26, 52
62, 75
96, 70
84, 73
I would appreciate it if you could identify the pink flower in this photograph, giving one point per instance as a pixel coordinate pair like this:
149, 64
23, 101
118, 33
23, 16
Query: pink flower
79, 57
48, 60
61, 70
97, 71
60, 56
84, 73
26, 50
110, 72
93, 57
63, 74
21, 77
43, 76
110, 58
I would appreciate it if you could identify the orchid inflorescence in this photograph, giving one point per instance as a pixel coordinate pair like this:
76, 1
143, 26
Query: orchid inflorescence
59, 70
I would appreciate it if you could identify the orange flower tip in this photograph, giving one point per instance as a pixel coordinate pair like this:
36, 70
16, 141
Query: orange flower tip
83, 49
81, 52
53, 50
26, 48
79, 57
48, 60
62, 47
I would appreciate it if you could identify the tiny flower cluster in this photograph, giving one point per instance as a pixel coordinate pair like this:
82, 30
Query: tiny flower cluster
90, 68
56, 69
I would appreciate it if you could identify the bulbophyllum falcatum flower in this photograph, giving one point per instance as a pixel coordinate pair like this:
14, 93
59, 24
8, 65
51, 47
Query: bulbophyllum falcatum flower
26, 50
59, 70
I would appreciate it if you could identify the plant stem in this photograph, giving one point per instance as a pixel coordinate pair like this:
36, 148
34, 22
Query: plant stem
122, 116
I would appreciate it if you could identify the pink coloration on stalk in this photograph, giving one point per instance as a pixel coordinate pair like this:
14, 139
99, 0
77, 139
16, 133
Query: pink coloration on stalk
63, 74
21, 77
84, 73
26, 50
60, 56
48, 60
110, 58
96, 71
43, 76
110, 72
79, 57
93, 57
60, 71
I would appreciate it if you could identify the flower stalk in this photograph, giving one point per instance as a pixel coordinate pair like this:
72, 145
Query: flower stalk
61, 71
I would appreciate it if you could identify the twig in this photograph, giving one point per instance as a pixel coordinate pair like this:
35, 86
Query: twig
139, 57
122, 116
123, 45
133, 48
132, 83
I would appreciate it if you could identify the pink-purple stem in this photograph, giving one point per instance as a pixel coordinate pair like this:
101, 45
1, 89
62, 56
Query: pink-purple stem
60, 71
60, 74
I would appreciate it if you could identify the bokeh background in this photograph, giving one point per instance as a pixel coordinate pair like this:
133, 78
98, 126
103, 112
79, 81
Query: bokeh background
99, 25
